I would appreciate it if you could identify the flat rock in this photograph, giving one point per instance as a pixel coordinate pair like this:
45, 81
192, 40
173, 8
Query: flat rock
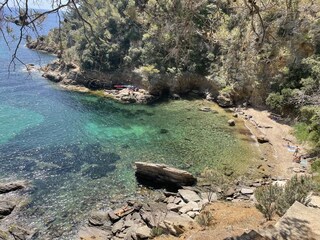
300, 222
176, 224
247, 191
189, 207
189, 196
162, 175
230, 192
89, 233
98, 218
117, 226
9, 187
6, 208
143, 232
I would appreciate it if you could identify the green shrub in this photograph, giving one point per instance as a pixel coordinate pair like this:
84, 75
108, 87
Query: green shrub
275, 101
266, 197
156, 231
296, 189
204, 219
301, 131
275, 199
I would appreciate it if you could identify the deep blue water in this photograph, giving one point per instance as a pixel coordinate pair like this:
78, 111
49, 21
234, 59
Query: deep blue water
78, 150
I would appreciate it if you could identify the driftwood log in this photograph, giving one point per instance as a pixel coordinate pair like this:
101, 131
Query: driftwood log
161, 175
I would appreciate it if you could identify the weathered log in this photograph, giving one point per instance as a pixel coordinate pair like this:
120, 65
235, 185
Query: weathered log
161, 175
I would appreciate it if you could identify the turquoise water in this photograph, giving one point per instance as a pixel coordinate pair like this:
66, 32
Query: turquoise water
78, 149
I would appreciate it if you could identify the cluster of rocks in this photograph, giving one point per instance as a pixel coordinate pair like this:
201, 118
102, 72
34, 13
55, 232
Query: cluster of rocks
172, 213
130, 96
41, 45
9, 203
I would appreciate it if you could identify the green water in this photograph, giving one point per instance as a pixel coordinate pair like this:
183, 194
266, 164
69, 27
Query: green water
78, 150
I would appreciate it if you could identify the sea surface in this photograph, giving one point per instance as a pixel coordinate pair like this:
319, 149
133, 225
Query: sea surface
78, 150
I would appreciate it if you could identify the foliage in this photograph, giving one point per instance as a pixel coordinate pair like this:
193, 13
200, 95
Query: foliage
296, 189
266, 197
204, 219
275, 199
156, 231
310, 115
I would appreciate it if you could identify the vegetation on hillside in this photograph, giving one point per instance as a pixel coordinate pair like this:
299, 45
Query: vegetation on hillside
254, 51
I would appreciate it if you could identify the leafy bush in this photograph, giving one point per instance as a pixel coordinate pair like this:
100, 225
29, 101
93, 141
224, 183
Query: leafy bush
275, 199
204, 219
296, 189
267, 197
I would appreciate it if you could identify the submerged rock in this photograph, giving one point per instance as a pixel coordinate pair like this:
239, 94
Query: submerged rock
161, 175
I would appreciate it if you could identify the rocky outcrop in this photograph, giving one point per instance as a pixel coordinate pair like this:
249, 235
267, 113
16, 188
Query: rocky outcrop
9, 187
131, 96
171, 213
161, 175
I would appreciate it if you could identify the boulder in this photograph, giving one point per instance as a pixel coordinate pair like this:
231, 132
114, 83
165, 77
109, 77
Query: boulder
189, 196
9, 187
161, 175
231, 123
299, 222
190, 206
247, 191
143, 232
52, 76
224, 100
6, 208
98, 218
89, 233
176, 224
262, 139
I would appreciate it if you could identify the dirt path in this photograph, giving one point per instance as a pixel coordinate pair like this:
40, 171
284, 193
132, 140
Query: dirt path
279, 135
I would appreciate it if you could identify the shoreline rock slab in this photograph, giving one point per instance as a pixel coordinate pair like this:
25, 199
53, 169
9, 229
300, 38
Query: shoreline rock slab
162, 175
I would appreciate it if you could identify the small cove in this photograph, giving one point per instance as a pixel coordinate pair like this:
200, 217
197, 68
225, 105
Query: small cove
78, 149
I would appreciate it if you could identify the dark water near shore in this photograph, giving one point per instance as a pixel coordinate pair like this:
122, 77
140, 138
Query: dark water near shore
78, 149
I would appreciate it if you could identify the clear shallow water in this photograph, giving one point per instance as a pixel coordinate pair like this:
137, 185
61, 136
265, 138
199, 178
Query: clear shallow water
78, 149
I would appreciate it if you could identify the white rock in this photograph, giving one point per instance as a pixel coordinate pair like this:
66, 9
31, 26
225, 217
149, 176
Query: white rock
189, 196
247, 191
189, 207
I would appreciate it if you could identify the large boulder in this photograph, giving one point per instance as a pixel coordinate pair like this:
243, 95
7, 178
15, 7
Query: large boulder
299, 222
161, 175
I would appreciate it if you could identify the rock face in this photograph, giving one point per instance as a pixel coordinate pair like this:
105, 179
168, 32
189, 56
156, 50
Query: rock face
9, 187
160, 175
